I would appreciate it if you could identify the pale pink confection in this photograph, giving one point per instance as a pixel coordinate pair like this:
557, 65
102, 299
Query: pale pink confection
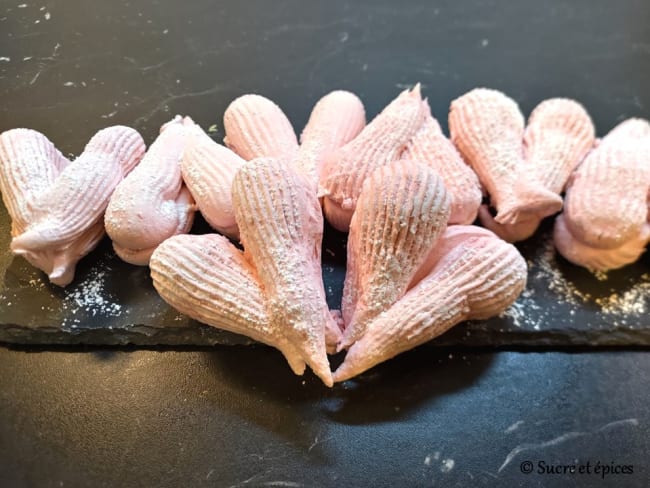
208, 170
402, 210
380, 143
152, 203
598, 259
430, 146
257, 128
30, 164
281, 227
488, 128
519, 231
207, 278
559, 135
336, 119
477, 278
56, 205
452, 236
606, 204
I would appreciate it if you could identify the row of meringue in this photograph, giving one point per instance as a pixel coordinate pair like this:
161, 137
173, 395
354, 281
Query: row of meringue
605, 223
523, 169
408, 279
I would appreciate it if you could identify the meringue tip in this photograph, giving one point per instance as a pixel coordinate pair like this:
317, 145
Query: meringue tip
414, 92
177, 120
187, 121
345, 371
323, 372
29, 240
62, 275
354, 364
319, 364
297, 365
508, 232
539, 203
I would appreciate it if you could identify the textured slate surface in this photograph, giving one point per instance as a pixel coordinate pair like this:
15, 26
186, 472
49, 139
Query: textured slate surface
236, 416
80, 68
111, 302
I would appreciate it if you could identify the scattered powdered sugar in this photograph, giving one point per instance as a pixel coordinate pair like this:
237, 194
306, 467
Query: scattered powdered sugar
37, 283
633, 301
630, 302
600, 275
447, 465
520, 311
90, 297
545, 270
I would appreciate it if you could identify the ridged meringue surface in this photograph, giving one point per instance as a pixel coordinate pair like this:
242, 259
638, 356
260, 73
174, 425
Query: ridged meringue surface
402, 210
380, 143
58, 205
152, 203
281, 228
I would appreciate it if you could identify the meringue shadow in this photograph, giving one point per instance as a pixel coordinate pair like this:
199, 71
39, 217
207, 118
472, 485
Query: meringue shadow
262, 390
398, 388
391, 391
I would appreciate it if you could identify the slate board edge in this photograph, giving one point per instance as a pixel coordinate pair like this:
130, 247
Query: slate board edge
139, 335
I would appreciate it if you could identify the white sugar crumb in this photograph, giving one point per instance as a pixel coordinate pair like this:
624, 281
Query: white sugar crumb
447, 465
600, 275
37, 283
90, 297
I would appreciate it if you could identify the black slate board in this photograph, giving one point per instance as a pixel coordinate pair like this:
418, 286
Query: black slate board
111, 302
81, 68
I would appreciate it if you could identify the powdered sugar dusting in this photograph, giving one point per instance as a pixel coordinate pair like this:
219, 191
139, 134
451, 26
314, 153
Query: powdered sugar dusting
89, 297
615, 305
630, 302
546, 270
520, 311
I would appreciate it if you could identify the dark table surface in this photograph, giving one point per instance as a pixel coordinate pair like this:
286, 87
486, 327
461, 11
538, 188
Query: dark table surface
235, 416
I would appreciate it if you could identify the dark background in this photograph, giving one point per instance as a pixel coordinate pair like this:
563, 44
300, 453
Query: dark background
235, 416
